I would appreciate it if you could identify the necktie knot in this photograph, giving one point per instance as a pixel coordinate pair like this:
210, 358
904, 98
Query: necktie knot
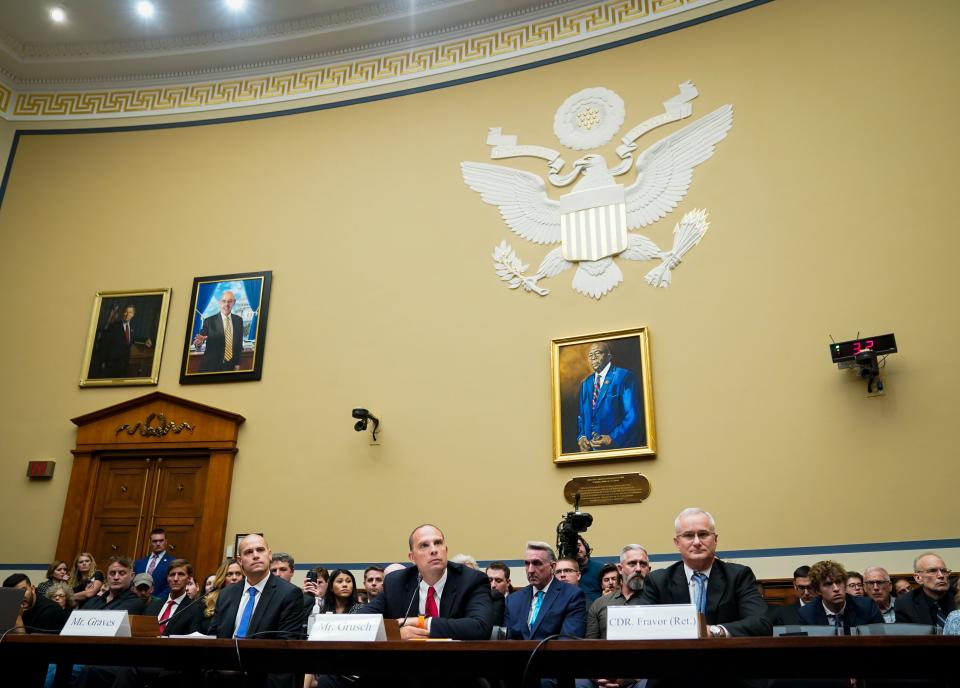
700, 580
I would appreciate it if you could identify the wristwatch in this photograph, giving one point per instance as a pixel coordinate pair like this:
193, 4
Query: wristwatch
715, 632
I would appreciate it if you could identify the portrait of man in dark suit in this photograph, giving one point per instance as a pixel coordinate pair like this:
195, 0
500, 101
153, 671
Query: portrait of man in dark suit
125, 337
221, 338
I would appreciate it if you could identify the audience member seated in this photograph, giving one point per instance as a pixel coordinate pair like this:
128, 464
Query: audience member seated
932, 602
609, 579
633, 568
876, 582
341, 597
498, 573
952, 626
568, 571
589, 570
57, 572
855, 584
315, 591
228, 574
789, 614
466, 560
61, 594
193, 590
547, 606
37, 613
143, 587
118, 596
156, 562
902, 586
835, 606
373, 581
725, 592
85, 579
209, 583
282, 565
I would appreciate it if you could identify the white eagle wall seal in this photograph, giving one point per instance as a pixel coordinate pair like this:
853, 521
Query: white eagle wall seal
592, 220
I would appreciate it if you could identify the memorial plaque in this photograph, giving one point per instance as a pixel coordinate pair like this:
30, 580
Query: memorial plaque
620, 488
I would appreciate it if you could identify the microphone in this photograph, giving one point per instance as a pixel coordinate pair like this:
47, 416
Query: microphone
416, 591
182, 608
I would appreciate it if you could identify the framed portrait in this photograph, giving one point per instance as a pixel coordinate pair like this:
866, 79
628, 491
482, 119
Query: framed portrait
226, 328
603, 397
125, 338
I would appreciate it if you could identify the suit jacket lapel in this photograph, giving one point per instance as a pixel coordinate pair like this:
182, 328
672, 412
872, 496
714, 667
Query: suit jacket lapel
679, 587
607, 381
548, 601
716, 586
230, 612
265, 597
449, 593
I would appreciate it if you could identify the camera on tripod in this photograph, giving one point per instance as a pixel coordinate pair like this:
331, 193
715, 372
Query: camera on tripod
574, 523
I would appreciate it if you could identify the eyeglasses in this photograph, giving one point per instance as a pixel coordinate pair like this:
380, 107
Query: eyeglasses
934, 572
566, 570
877, 583
701, 534
855, 586
804, 588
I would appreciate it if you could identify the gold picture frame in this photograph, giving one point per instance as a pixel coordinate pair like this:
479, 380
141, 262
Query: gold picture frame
619, 422
125, 338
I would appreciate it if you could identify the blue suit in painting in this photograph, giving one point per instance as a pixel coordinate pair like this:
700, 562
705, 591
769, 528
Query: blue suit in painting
618, 412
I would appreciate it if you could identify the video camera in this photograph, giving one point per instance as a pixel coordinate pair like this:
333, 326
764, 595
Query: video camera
574, 523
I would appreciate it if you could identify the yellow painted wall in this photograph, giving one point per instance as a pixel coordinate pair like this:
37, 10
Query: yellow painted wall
831, 206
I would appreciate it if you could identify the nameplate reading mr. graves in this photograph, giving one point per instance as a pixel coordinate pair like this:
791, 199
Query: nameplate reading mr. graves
107, 624
652, 622
355, 627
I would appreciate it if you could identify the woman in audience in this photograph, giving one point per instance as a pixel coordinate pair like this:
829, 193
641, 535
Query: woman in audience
341, 597
952, 627
192, 589
57, 572
609, 579
209, 582
902, 586
85, 580
228, 573
61, 594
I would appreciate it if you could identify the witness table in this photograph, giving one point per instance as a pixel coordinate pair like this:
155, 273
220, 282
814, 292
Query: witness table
929, 657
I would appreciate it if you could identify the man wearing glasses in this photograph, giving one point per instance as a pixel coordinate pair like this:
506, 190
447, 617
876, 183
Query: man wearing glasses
725, 593
879, 588
789, 614
931, 602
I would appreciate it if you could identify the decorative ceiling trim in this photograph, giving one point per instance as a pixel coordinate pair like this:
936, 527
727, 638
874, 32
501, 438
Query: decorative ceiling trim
344, 76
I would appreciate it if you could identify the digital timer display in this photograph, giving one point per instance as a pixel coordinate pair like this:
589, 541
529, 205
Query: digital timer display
879, 345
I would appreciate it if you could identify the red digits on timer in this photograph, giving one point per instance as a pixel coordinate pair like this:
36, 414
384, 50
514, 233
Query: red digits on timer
857, 348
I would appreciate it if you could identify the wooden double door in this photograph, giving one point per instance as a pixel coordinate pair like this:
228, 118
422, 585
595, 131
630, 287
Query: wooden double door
135, 494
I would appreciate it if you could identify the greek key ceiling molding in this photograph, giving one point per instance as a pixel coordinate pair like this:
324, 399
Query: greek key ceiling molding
394, 64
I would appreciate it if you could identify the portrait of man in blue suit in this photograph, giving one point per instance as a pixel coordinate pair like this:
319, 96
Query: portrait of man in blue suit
610, 410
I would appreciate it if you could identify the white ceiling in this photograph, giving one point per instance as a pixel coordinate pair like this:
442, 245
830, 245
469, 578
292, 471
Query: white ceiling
106, 41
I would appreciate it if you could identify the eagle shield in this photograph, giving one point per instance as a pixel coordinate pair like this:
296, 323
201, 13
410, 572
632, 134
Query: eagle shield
593, 223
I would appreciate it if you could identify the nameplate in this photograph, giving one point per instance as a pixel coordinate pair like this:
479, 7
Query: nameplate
652, 622
354, 627
106, 624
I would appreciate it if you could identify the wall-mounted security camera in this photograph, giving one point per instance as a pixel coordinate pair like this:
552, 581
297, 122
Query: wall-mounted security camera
865, 356
363, 417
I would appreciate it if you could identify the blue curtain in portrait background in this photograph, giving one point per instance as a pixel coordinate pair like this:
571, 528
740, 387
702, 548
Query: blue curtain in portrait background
253, 288
204, 294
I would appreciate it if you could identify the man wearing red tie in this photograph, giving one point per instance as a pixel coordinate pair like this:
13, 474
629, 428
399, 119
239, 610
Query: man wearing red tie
168, 611
115, 343
435, 598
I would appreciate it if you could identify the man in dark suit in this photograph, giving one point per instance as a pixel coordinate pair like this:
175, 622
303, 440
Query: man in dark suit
834, 606
273, 610
115, 342
611, 406
789, 614
548, 606
157, 562
435, 598
932, 601
726, 593
223, 334
119, 596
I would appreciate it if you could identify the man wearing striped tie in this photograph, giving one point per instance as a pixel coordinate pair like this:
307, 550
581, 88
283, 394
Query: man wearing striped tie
223, 334
725, 593
611, 406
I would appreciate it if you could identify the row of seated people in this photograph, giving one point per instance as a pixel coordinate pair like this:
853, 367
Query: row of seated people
455, 601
